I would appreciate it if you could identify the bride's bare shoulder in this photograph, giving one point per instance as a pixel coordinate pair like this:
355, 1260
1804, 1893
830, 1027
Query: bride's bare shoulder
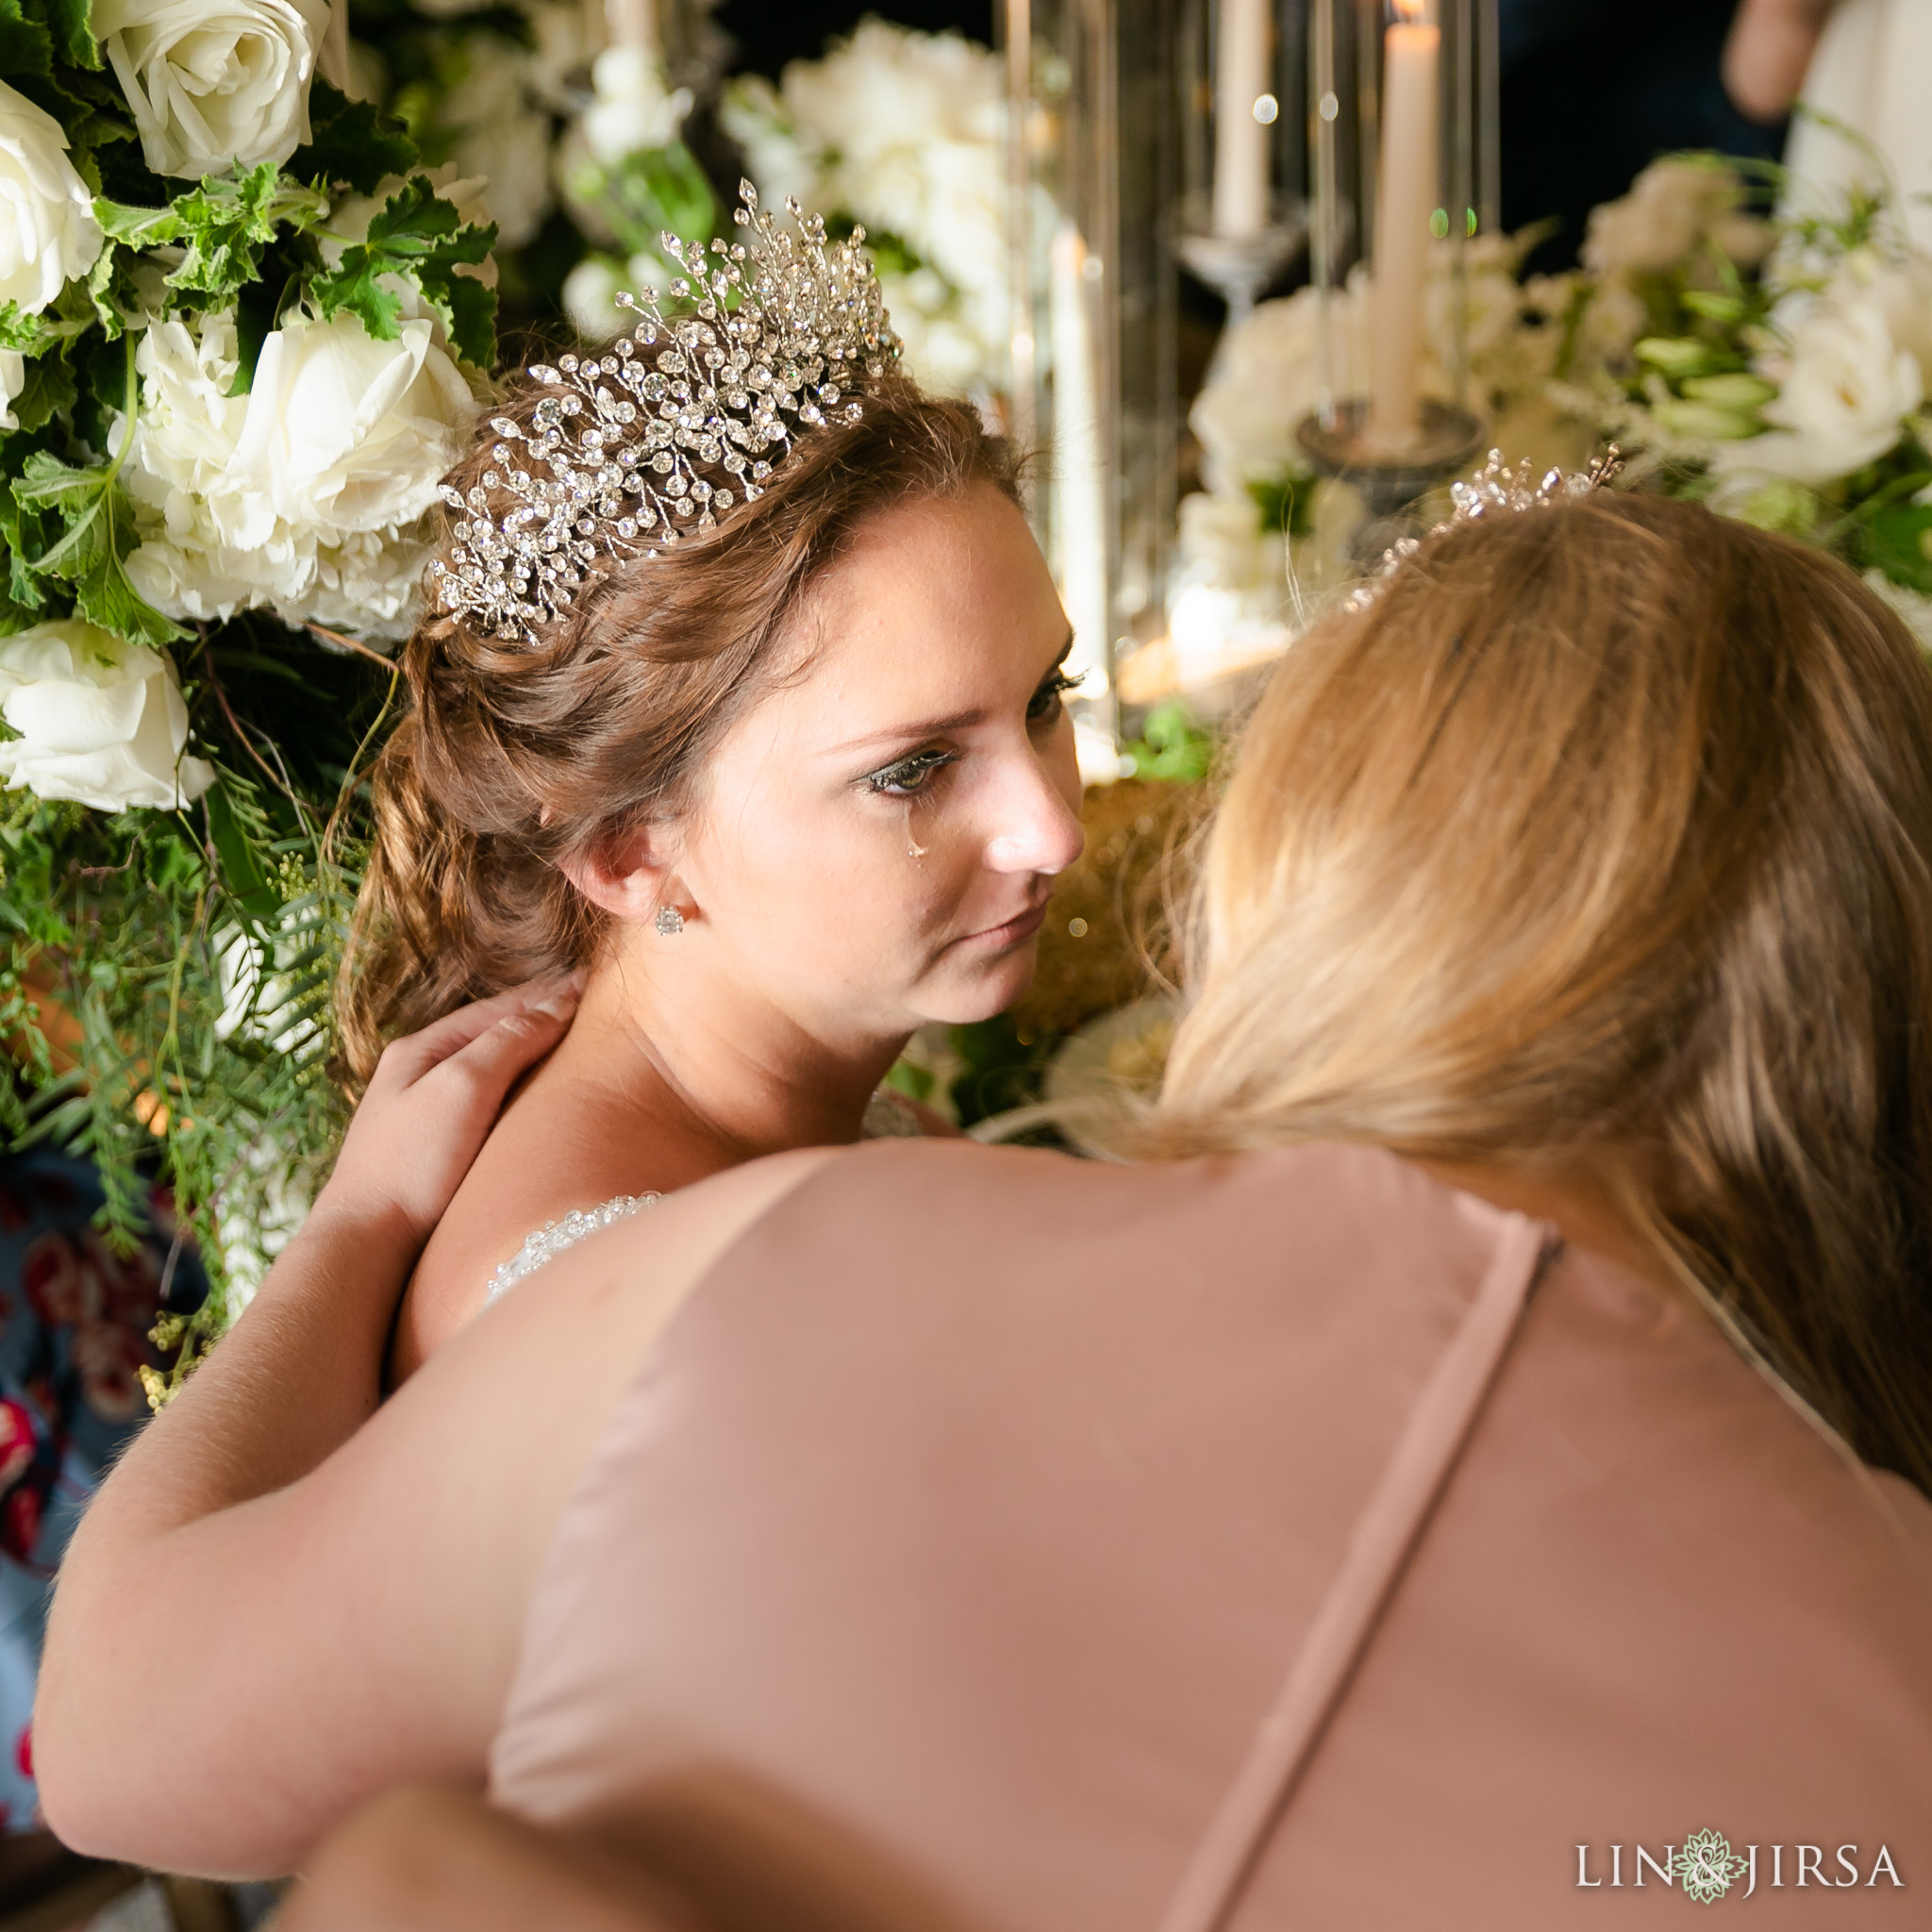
568, 1340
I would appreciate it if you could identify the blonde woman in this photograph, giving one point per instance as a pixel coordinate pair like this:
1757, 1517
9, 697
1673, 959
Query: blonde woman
1480, 1462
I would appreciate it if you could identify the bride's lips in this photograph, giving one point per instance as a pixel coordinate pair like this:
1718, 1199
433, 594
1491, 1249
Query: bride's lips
997, 938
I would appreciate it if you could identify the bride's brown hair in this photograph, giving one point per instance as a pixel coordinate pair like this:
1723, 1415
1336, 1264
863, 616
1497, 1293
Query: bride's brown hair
511, 759
1602, 845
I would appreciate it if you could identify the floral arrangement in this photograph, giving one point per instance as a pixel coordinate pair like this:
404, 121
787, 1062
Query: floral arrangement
1266, 530
1775, 368
243, 330
903, 132
1774, 364
570, 140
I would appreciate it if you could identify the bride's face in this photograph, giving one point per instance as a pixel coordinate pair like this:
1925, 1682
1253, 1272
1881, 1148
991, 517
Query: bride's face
874, 842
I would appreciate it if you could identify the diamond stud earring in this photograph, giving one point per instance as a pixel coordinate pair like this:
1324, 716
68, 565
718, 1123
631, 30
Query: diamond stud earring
669, 921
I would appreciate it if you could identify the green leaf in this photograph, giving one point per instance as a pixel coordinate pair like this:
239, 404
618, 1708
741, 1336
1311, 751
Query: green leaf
1677, 356
227, 222
352, 143
255, 898
20, 525
137, 227
1287, 504
96, 531
48, 388
105, 596
26, 46
34, 335
418, 235
71, 23
1898, 541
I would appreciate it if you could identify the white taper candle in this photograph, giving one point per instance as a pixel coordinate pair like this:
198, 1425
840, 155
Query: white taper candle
1406, 199
1241, 78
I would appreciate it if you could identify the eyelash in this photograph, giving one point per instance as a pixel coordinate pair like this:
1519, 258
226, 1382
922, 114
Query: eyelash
907, 776
1057, 686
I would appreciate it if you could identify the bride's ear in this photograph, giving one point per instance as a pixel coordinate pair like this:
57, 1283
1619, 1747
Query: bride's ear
630, 877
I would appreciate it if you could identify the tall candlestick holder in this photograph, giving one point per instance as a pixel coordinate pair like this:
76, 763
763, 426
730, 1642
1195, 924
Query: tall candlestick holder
1403, 167
1244, 213
1092, 390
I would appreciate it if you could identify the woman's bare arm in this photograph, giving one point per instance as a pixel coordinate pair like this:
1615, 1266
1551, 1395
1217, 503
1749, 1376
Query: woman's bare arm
300, 1373
352, 1597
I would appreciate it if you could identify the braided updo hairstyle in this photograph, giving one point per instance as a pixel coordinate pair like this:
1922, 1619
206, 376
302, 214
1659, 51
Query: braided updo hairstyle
512, 761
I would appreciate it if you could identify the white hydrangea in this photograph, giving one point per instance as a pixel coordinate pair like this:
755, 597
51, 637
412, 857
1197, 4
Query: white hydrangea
13, 379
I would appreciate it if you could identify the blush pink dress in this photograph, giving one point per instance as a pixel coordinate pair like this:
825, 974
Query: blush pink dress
998, 1542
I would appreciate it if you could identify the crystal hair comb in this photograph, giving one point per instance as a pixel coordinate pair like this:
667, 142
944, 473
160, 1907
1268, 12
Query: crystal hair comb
1495, 490
646, 443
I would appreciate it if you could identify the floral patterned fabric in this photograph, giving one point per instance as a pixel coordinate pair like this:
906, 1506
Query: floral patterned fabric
74, 1337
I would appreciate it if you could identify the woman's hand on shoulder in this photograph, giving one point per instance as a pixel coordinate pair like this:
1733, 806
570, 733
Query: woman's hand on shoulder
433, 1099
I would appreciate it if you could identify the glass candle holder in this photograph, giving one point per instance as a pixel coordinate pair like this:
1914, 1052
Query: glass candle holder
1402, 156
1242, 187
1092, 388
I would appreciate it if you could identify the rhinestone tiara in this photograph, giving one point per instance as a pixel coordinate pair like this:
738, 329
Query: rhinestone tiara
1495, 490
635, 449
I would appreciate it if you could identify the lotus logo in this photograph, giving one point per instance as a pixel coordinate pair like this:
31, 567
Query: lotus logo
1706, 1867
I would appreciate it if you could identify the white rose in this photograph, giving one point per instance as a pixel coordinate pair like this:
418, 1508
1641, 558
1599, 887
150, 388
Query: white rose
101, 720
47, 228
1845, 392
344, 433
633, 110
13, 379
214, 84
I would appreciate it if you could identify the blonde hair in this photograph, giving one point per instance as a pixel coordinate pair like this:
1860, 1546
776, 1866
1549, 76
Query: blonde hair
1603, 843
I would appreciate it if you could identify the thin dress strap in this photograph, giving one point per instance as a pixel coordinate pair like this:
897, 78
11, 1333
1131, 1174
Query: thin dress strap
1378, 1546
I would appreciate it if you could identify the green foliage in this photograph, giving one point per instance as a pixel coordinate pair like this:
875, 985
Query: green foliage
350, 142
26, 47
166, 977
1171, 746
1287, 504
416, 234
75, 525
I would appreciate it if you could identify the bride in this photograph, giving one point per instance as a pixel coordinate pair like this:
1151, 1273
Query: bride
743, 702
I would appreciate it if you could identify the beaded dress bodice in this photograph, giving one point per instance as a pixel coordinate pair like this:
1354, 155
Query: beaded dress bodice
886, 1117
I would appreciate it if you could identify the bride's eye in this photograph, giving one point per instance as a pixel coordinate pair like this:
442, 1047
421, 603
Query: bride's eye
909, 777
1046, 700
